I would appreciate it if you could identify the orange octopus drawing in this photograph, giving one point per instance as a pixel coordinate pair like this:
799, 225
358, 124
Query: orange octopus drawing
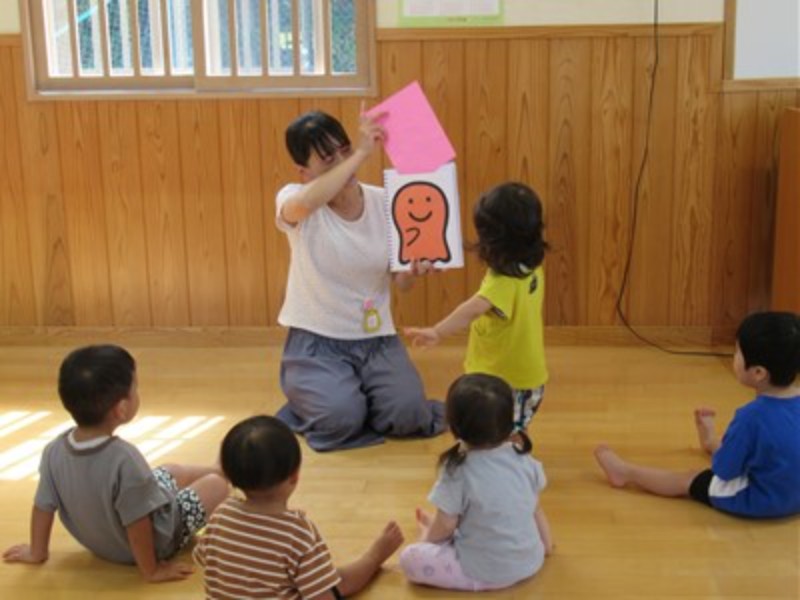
420, 211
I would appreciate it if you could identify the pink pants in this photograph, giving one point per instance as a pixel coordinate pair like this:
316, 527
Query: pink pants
437, 565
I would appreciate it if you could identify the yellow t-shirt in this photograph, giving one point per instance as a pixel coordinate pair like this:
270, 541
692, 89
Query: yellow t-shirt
508, 341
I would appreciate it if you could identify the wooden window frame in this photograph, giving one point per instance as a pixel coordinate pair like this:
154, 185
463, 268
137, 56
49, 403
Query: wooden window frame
41, 85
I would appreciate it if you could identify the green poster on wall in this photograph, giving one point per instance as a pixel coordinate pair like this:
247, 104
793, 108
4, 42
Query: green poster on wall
450, 13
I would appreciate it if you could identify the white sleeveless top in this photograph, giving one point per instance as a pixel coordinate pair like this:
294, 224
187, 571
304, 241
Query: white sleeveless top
335, 266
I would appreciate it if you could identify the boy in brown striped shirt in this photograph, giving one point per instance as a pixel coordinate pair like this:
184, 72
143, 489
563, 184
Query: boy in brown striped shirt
257, 547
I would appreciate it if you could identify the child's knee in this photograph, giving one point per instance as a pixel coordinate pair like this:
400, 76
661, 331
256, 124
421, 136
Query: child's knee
212, 490
220, 484
407, 560
415, 562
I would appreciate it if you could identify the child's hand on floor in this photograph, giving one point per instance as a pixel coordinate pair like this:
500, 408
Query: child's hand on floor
166, 571
22, 553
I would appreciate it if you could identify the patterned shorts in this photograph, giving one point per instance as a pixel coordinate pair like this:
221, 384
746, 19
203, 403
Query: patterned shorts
526, 403
192, 511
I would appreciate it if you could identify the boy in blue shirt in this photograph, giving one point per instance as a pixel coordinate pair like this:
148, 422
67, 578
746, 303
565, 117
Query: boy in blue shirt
755, 469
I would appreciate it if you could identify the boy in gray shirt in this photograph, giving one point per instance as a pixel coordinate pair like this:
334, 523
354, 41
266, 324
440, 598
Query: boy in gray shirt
101, 486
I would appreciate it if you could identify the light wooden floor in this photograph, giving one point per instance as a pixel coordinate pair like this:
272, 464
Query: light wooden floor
610, 543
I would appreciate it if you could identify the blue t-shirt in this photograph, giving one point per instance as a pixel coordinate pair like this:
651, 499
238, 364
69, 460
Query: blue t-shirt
757, 467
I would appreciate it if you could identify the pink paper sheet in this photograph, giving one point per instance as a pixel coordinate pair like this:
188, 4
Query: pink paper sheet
415, 140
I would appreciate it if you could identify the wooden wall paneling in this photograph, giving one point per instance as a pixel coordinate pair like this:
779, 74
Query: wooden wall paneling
527, 96
785, 292
569, 155
242, 190
87, 227
735, 154
201, 182
762, 208
400, 64
277, 169
332, 106
609, 202
486, 137
528, 120
47, 228
444, 81
122, 195
17, 296
694, 168
764, 194
647, 294
528, 111
159, 154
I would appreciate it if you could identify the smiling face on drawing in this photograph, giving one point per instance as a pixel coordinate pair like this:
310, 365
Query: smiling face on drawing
420, 212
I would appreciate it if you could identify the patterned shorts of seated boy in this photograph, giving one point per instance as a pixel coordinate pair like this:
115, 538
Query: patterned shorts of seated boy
193, 513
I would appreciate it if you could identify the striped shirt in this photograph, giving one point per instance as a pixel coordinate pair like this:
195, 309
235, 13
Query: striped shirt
251, 555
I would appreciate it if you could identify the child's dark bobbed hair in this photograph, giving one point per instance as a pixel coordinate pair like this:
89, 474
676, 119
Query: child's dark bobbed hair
259, 453
508, 219
772, 340
93, 379
480, 412
316, 131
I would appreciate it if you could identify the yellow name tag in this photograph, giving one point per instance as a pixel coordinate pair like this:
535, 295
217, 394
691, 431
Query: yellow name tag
372, 319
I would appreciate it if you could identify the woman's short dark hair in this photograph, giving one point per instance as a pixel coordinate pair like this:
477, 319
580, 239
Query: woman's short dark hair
772, 340
508, 219
93, 379
316, 131
260, 453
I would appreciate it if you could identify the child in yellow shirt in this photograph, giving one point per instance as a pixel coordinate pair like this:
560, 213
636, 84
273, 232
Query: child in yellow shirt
505, 315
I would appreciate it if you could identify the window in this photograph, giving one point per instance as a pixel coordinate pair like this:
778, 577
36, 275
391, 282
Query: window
272, 46
762, 47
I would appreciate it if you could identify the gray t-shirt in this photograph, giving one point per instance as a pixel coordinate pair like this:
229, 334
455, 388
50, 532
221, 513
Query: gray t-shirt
99, 491
495, 493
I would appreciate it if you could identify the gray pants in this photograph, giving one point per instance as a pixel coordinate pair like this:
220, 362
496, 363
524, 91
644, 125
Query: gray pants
351, 393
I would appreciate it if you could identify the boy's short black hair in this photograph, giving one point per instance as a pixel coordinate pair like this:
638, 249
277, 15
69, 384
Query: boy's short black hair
93, 379
316, 131
260, 453
772, 340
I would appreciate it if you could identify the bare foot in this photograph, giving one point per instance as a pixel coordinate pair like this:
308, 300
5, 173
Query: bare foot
388, 541
615, 468
706, 429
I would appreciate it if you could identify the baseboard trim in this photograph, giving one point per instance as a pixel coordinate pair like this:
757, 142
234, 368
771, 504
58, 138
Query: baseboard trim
673, 337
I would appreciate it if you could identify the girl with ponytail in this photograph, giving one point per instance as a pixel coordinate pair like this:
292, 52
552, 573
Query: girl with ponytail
489, 531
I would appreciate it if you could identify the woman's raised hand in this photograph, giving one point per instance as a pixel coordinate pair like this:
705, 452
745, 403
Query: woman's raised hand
371, 132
